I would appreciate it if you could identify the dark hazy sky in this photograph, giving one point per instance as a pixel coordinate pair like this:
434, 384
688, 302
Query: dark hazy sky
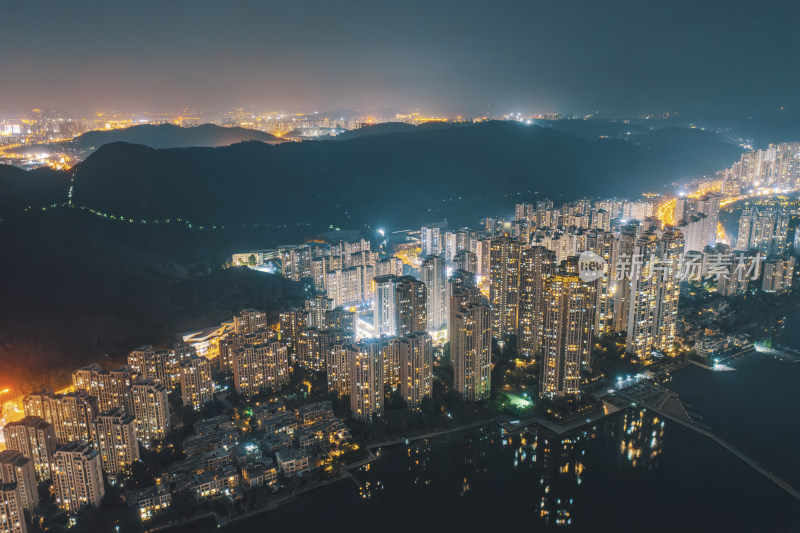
556, 55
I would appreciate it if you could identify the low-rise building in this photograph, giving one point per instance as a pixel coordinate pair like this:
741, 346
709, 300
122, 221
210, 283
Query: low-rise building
276, 441
210, 484
260, 474
292, 462
210, 461
150, 501
315, 411
210, 440
280, 422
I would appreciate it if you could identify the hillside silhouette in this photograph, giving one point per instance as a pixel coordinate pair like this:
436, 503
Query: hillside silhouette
394, 178
154, 136
30, 189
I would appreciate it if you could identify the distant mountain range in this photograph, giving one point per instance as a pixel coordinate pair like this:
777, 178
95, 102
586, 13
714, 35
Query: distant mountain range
395, 175
156, 136
385, 128
171, 136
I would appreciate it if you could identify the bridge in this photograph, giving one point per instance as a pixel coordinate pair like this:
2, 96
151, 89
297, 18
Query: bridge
787, 352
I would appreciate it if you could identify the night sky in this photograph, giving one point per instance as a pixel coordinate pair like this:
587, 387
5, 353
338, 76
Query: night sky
464, 56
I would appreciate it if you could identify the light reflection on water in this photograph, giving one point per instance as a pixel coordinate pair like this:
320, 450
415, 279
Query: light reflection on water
631, 470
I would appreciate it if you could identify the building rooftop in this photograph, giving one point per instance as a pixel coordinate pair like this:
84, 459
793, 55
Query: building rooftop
78, 446
13, 457
289, 454
31, 421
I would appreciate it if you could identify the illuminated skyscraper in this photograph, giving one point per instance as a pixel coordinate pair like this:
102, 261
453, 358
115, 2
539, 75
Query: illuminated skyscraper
467, 261
384, 307
350, 286
654, 292
366, 380
765, 230
296, 263
161, 366
390, 348
536, 265
778, 274
400, 306
619, 276
449, 246
112, 388
316, 308
12, 512
483, 254
411, 299
601, 220
338, 368
151, 411
320, 266
416, 368
292, 323
308, 354
197, 388
431, 243
462, 290
602, 243
524, 211
471, 346
568, 312
16, 468
249, 321
260, 367
708, 204
77, 477
391, 266
71, 414
342, 319
639, 210
434, 276
115, 435
35, 439
504, 289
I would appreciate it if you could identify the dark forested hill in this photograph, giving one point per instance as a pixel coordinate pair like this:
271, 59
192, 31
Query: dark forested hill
392, 178
22, 189
76, 288
171, 136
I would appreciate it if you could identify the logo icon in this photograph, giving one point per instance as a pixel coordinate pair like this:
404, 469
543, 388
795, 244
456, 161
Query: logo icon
591, 266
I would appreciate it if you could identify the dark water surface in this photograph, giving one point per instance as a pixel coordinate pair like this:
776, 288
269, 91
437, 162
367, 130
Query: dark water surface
629, 472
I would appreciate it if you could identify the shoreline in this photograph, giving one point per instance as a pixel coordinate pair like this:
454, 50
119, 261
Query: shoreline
345, 474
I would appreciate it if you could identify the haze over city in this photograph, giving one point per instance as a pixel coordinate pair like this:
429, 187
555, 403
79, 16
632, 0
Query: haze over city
464, 57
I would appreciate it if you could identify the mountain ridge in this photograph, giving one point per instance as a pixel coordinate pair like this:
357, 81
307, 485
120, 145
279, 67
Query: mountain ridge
444, 172
154, 136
